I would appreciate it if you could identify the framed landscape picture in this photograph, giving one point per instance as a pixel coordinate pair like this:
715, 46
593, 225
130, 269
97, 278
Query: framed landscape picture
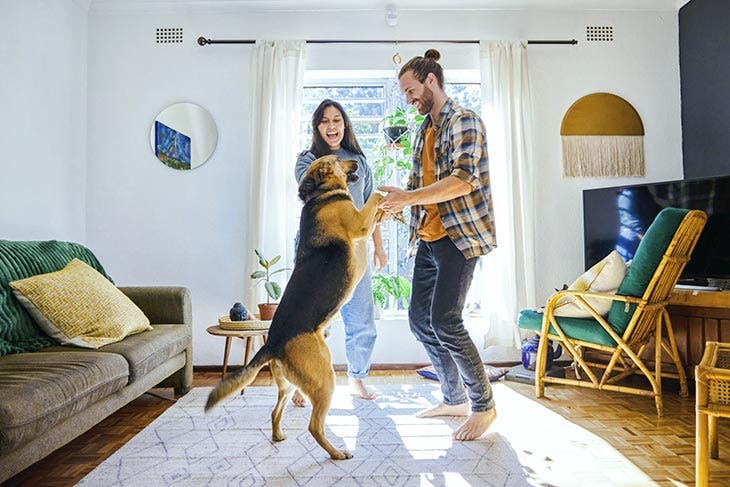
172, 147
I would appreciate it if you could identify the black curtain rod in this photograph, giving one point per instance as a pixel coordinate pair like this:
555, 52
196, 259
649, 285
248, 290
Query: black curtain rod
204, 41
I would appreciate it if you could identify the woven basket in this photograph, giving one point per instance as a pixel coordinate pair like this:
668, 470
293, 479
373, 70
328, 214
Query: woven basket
227, 324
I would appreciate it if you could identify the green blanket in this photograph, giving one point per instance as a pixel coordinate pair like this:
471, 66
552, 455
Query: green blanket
18, 260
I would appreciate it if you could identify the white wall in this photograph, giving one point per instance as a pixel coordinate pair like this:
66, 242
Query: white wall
42, 119
152, 225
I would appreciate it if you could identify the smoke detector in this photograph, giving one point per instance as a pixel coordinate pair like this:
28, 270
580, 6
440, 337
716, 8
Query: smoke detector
391, 15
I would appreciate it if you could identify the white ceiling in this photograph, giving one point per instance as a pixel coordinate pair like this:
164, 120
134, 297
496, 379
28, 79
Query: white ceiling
360, 5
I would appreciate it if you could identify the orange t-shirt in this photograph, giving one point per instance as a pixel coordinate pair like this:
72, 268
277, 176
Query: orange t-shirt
430, 228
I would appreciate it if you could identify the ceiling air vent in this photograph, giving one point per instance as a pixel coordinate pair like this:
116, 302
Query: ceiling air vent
599, 33
170, 35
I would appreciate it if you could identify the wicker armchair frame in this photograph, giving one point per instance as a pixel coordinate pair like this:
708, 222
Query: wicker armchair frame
650, 320
712, 394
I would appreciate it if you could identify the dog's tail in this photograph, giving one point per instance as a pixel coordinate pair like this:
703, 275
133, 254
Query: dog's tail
233, 383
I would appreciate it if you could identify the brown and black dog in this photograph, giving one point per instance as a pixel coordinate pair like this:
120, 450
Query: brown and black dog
330, 261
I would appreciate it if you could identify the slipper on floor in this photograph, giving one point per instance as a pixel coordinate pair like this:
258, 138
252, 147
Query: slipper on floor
493, 373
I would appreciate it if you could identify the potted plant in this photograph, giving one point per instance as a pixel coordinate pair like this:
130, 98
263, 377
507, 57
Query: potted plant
386, 285
273, 289
394, 153
397, 125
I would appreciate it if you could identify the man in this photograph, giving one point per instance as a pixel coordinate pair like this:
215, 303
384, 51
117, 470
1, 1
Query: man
453, 220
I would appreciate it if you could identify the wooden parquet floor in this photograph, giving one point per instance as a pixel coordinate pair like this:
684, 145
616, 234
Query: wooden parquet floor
662, 447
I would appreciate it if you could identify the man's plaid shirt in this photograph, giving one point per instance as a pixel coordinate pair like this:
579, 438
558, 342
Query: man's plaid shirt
461, 151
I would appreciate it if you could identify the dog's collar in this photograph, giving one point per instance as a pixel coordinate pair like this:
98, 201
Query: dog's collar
326, 194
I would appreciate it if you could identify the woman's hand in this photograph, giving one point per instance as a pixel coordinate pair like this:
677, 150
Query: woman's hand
380, 258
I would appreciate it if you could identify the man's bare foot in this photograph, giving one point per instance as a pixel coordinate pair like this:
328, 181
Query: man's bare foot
442, 409
359, 389
298, 399
476, 425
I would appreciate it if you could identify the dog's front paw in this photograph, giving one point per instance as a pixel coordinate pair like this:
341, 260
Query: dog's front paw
341, 455
278, 436
376, 197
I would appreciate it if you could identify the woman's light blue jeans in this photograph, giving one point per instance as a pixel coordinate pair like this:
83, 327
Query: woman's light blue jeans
358, 314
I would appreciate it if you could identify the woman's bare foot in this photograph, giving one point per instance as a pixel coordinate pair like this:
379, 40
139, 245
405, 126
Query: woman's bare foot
298, 399
442, 409
358, 388
475, 425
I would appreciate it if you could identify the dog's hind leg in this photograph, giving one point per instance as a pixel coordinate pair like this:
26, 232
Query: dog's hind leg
321, 400
310, 362
286, 391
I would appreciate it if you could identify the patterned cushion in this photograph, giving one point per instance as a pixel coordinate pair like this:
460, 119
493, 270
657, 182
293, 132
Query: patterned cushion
604, 277
78, 306
20, 259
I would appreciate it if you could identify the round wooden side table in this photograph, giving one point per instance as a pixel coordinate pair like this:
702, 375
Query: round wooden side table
247, 335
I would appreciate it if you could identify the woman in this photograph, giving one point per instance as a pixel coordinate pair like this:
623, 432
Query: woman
332, 133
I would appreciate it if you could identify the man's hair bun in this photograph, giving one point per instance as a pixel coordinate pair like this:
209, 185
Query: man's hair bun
432, 54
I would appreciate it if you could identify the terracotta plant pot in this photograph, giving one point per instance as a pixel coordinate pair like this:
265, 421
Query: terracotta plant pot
266, 311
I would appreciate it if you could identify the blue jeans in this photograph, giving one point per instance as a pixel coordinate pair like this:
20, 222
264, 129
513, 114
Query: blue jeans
358, 314
441, 280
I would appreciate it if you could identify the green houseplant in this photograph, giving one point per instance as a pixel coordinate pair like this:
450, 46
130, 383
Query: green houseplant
395, 151
385, 285
273, 289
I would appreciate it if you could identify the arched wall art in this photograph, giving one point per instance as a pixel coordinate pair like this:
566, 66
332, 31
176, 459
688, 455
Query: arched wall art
602, 135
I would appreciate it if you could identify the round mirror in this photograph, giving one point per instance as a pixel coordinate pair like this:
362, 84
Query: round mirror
183, 136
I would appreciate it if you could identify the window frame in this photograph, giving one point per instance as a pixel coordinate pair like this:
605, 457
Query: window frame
392, 98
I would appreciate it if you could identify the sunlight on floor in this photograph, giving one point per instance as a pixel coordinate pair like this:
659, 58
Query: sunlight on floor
551, 449
548, 445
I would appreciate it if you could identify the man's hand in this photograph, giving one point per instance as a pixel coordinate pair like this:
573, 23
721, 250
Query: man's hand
395, 200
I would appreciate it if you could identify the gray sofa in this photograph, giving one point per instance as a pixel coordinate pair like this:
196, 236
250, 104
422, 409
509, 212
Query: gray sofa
51, 395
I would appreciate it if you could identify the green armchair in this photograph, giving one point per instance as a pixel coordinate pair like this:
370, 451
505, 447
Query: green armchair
638, 314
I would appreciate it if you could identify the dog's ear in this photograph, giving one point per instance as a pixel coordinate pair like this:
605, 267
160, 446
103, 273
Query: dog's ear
308, 184
320, 170
326, 168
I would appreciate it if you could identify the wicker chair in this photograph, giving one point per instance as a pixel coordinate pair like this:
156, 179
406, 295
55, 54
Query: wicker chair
638, 314
712, 393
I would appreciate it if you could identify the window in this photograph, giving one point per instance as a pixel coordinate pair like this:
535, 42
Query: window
367, 101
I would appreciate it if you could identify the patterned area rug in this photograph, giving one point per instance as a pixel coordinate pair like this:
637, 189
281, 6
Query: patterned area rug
527, 445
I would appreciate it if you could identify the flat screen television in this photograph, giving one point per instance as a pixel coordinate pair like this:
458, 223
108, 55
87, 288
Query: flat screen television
616, 219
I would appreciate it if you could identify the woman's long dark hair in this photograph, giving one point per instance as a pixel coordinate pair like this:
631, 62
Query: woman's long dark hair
349, 141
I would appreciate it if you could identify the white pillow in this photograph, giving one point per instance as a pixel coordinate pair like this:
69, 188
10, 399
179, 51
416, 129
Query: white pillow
604, 277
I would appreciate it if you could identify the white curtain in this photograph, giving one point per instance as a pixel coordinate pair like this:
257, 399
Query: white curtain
508, 279
277, 69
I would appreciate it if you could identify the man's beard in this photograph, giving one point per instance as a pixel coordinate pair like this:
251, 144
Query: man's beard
425, 101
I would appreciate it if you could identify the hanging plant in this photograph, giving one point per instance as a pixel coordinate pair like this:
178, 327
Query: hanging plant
395, 151
397, 125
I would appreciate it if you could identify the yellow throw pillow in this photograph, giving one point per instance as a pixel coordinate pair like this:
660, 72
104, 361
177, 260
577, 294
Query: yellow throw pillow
79, 306
604, 277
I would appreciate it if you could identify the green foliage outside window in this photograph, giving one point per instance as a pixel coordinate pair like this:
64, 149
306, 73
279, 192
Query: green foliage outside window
387, 285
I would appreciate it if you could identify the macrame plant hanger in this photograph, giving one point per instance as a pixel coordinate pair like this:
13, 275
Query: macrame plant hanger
395, 131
